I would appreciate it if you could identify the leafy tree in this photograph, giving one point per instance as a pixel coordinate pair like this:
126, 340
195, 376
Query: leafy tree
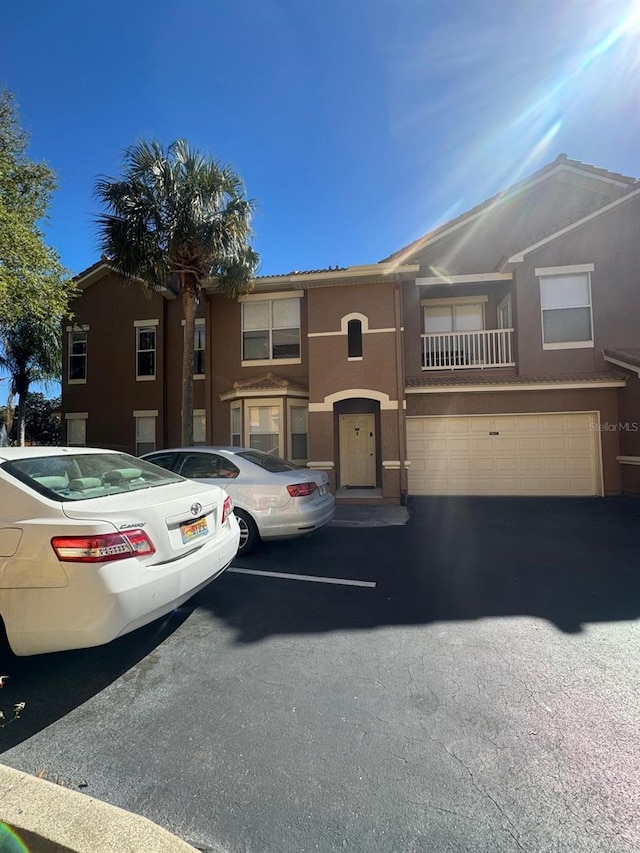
177, 218
43, 424
32, 353
32, 280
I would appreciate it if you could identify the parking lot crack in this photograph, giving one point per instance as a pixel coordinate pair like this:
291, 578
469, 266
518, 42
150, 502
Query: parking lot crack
510, 828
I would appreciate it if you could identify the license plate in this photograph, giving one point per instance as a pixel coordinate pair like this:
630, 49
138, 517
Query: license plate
322, 490
194, 530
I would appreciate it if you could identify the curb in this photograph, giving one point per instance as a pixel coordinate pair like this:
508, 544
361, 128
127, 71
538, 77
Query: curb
52, 819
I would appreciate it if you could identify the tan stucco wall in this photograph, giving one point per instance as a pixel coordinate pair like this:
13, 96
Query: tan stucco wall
629, 432
112, 393
330, 370
611, 243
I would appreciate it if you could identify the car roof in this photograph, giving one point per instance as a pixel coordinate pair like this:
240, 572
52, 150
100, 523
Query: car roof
8, 454
201, 447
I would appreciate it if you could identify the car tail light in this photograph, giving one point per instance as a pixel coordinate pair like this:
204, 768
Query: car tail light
227, 509
103, 548
299, 490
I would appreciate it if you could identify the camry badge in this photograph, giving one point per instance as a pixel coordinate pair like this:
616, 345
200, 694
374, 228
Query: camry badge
196, 509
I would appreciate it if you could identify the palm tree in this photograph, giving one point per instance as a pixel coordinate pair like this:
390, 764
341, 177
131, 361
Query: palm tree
31, 353
177, 218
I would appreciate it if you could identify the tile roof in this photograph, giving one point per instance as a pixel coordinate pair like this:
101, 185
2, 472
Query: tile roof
631, 356
414, 246
268, 382
509, 379
301, 272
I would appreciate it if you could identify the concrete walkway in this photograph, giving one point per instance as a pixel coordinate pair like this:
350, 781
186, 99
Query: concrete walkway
51, 819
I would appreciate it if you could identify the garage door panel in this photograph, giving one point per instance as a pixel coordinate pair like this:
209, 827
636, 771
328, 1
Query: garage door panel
556, 454
502, 444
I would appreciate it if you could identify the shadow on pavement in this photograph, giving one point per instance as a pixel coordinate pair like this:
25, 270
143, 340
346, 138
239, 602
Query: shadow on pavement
52, 685
570, 561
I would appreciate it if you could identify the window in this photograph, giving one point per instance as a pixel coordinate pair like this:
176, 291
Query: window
354, 338
264, 428
206, 465
199, 349
236, 425
76, 430
566, 310
298, 429
454, 317
78, 355
199, 426
271, 330
145, 433
505, 319
146, 352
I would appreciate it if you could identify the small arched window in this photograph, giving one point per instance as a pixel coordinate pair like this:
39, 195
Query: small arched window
354, 337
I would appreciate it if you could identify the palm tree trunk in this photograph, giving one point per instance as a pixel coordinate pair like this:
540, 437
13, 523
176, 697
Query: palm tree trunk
22, 414
189, 306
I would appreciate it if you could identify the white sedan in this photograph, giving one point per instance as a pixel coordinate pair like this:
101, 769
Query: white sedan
273, 499
95, 543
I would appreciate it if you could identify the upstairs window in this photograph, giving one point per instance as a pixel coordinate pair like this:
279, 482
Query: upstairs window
271, 330
78, 355
146, 352
454, 317
567, 320
354, 338
199, 349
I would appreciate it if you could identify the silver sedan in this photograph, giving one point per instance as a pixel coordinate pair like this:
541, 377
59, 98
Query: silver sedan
273, 499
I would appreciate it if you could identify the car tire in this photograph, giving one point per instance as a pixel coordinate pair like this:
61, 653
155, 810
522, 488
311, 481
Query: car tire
249, 536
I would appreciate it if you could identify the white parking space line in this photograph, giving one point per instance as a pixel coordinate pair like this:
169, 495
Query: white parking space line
312, 578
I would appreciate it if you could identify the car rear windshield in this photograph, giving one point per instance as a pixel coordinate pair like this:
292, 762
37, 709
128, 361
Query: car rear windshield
267, 461
77, 477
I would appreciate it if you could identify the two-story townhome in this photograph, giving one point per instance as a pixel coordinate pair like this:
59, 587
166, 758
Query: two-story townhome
497, 355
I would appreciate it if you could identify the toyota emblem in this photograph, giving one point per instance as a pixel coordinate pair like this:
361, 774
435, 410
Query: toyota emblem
196, 509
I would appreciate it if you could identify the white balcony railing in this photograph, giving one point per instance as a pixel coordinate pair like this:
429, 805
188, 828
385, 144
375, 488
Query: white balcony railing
464, 350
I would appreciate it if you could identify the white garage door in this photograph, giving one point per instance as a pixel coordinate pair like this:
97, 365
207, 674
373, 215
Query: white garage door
546, 454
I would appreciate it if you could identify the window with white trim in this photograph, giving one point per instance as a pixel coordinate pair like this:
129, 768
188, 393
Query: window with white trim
78, 355
505, 317
453, 317
263, 427
354, 339
199, 426
145, 352
199, 349
236, 424
271, 330
567, 320
145, 434
76, 432
298, 432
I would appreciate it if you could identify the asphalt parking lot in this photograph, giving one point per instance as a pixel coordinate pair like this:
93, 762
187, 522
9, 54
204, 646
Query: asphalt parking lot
475, 688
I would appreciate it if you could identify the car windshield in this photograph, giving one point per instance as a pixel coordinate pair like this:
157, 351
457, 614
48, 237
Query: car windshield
267, 461
77, 477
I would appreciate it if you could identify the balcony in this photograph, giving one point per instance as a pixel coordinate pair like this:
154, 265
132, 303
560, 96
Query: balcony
466, 350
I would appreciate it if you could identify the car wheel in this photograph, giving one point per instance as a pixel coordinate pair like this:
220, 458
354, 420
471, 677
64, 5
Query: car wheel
249, 536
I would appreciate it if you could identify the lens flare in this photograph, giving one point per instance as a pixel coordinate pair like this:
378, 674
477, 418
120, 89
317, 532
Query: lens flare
10, 841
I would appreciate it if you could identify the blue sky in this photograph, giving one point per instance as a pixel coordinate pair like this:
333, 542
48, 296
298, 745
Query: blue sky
356, 125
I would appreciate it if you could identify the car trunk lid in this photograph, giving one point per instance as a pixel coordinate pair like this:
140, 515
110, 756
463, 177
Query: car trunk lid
178, 518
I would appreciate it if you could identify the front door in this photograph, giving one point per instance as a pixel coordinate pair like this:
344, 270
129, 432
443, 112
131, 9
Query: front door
358, 450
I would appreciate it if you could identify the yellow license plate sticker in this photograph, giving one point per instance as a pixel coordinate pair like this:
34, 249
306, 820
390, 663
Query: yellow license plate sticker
194, 530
